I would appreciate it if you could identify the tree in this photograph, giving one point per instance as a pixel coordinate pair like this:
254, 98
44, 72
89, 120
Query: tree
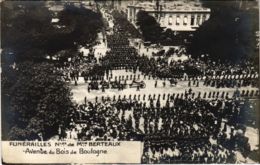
150, 28
40, 102
28, 33
84, 23
229, 34
23, 25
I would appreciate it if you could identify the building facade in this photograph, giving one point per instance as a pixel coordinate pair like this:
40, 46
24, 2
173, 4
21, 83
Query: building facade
174, 15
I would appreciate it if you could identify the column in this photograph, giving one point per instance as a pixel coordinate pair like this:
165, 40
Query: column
128, 13
195, 19
134, 15
201, 15
174, 20
137, 10
207, 16
131, 14
189, 20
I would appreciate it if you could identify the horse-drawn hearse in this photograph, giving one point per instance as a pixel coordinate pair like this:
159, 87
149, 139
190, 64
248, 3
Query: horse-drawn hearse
117, 85
173, 81
105, 84
93, 85
136, 84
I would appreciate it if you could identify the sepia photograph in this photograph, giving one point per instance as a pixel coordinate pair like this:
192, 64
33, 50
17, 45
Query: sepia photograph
130, 81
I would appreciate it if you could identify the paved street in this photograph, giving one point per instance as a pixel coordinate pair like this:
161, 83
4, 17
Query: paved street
81, 91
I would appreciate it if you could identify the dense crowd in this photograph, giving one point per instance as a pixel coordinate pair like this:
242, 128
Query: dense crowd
178, 129
163, 68
231, 82
124, 25
121, 54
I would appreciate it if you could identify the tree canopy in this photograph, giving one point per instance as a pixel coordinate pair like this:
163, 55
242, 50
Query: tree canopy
84, 23
149, 27
40, 102
23, 26
35, 98
229, 34
29, 34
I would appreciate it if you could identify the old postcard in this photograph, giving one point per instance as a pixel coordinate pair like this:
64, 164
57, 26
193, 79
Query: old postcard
130, 81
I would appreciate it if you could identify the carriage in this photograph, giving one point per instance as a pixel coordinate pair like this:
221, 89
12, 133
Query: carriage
173, 81
137, 84
105, 84
117, 85
93, 85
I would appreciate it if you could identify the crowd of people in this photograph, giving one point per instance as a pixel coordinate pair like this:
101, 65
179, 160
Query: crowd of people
183, 129
231, 82
124, 25
120, 54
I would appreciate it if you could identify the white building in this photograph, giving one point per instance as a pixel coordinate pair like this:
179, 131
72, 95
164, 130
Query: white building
175, 15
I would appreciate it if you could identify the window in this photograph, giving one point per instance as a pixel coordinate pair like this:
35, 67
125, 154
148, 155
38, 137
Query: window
185, 20
192, 20
178, 20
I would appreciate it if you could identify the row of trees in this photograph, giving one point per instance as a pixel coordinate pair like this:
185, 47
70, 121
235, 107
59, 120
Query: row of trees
36, 102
